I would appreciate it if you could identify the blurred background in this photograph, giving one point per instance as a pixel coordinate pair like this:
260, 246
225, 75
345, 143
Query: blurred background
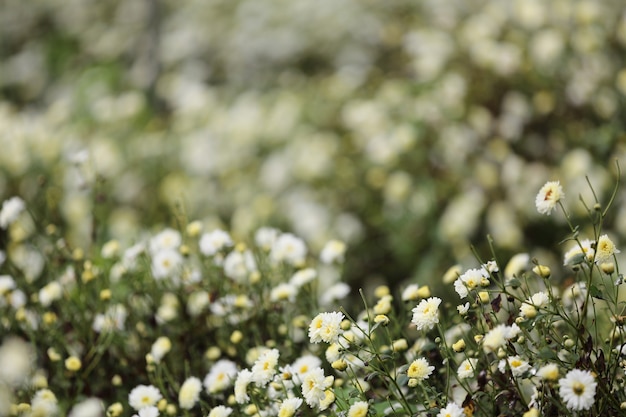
410, 130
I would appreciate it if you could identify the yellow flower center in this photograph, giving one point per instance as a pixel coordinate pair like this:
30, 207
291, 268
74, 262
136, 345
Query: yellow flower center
578, 388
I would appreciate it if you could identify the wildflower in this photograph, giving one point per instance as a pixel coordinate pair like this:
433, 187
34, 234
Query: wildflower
469, 280
314, 386
168, 239
44, 403
528, 309
498, 336
11, 210
160, 348
517, 264
451, 410
382, 319
213, 242
605, 248
221, 376
165, 262
383, 306
189, 393
420, 369
303, 277
304, 364
115, 410
582, 251
197, 302
289, 406
399, 345
239, 265
463, 308
452, 274
518, 365
550, 194
288, 248
578, 389
284, 292
358, 409
49, 293
549, 372
326, 327
542, 270
410, 293
467, 368
265, 367
91, 407
426, 314
334, 293
150, 411
143, 396
244, 378
333, 251
16, 361
459, 346
328, 400
220, 411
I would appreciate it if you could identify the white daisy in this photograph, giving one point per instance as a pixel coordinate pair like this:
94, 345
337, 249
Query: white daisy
578, 389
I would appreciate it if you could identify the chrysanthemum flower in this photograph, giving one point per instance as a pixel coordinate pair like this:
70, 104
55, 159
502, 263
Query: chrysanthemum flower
303, 277
549, 372
264, 367
289, 406
578, 389
326, 327
289, 248
220, 411
333, 251
605, 248
467, 368
160, 348
44, 403
528, 309
579, 253
358, 409
426, 314
244, 378
314, 385
420, 369
11, 210
548, 196
517, 364
498, 336
189, 393
221, 376
470, 280
151, 411
143, 396
304, 364
91, 407
213, 242
451, 410
169, 239
284, 292
165, 263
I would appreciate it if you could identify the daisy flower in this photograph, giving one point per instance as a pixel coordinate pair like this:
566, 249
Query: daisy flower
420, 369
326, 327
289, 406
426, 314
264, 367
314, 386
518, 365
498, 336
467, 368
11, 210
358, 409
470, 280
244, 378
578, 389
189, 393
605, 249
144, 396
221, 376
549, 372
451, 410
550, 194
213, 242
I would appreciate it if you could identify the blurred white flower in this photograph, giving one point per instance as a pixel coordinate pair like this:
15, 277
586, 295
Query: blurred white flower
213, 242
10, 211
49, 293
165, 263
333, 251
326, 327
91, 407
289, 248
17, 358
189, 393
221, 376
143, 396
160, 348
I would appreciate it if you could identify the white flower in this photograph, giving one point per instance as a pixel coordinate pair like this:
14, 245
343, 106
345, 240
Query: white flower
549, 372
410, 293
160, 348
314, 386
220, 411
289, 406
426, 314
221, 376
11, 210
578, 389
113, 319
326, 327
463, 308
238, 265
517, 264
528, 308
303, 277
49, 293
244, 378
334, 293
44, 403
498, 336
17, 358
91, 407
420, 369
197, 302
189, 393
151, 411
215, 241
165, 263
467, 368
548, 196
265, 237
333, 251
470, 280
304, 364
264, 367
168, 239
451, 410
579, 253
143, 396
7, 284
284, 292
518, 365
605, 249
358, 409
289, 248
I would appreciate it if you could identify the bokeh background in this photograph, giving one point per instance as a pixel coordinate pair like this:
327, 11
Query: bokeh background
410, 130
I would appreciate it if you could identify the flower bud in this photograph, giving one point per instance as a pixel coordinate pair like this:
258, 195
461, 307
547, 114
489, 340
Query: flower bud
542, 270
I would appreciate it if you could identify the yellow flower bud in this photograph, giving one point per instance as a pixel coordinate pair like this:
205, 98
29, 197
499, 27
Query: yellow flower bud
542, 270
459, 346
73, 364
115, 410
423, 292
381, 291
484, 297
339, 365
236, 337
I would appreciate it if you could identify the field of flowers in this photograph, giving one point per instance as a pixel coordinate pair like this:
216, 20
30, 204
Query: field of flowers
288, 207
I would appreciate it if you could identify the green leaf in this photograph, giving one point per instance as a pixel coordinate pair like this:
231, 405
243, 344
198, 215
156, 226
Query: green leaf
596, 293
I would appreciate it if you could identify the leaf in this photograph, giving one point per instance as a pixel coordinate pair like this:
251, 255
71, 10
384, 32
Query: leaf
496, 303
547, 354
596, 293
